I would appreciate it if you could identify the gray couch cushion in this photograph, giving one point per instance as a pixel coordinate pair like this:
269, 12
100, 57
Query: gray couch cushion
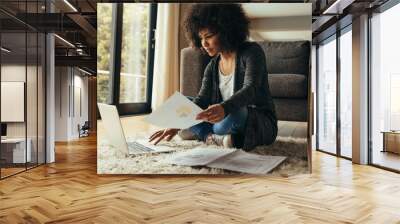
193, 63
288, 85
291, 109
287, 57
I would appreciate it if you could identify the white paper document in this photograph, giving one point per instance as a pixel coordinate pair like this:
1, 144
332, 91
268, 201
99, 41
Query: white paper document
229, 159
244, 162
177, 112
199, 156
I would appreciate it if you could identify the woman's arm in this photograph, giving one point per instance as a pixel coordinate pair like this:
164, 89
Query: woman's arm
256, 69
204, 96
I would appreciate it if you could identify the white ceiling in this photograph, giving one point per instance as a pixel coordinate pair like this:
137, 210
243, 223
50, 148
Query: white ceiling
268, 10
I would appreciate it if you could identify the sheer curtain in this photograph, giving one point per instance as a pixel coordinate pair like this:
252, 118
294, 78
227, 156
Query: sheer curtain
166, 58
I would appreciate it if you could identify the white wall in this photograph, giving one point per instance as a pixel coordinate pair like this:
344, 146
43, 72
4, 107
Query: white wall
62, 81
12, 73
281, 28
71, 87
82, 82
80, 108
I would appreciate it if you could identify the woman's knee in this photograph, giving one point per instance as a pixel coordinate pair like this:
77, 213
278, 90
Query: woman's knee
231, 124
221, 128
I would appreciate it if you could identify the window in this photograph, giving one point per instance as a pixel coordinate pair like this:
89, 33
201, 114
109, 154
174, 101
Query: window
134, 55
394, 101
346, 93
104, 26
334, 94
125, 55
385, 84
326, 125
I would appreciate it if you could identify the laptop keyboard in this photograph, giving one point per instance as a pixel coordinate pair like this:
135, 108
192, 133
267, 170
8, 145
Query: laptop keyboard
139, 147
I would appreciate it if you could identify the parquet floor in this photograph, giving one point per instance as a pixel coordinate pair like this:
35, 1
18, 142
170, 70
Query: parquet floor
9, 171
70, 191
387, 159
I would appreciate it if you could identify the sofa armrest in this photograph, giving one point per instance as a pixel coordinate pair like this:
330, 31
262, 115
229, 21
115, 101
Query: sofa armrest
192, 66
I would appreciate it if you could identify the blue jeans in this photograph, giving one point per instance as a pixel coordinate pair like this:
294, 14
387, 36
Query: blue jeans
234, 123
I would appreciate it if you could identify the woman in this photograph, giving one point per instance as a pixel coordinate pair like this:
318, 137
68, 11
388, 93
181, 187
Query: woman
238, 110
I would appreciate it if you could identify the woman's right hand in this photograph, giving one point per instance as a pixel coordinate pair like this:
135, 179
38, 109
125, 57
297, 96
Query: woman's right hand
167, 134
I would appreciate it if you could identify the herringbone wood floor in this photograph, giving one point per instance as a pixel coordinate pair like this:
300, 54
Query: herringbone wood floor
70, 191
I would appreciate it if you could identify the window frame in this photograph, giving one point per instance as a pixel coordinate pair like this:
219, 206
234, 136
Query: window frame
334, 37
115, 62
318, 87
340, 33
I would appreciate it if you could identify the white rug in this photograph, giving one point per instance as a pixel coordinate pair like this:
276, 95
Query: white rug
113, 161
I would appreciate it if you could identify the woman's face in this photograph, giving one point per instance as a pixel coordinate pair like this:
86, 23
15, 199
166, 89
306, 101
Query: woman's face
209, 42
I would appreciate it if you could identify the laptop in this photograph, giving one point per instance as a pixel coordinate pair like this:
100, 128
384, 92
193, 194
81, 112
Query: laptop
116, 137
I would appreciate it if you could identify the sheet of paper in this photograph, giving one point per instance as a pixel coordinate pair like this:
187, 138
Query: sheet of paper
177, 112
244, 162
198, 156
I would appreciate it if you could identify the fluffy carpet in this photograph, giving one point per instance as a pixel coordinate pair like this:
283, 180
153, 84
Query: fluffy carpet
113, 161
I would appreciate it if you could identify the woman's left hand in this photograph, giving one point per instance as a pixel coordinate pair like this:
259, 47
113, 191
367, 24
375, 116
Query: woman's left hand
213, 114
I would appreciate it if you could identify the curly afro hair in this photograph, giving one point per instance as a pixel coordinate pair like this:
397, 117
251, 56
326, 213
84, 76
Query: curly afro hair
227, 20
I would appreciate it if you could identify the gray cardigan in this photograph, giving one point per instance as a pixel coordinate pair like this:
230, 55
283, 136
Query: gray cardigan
250, 89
